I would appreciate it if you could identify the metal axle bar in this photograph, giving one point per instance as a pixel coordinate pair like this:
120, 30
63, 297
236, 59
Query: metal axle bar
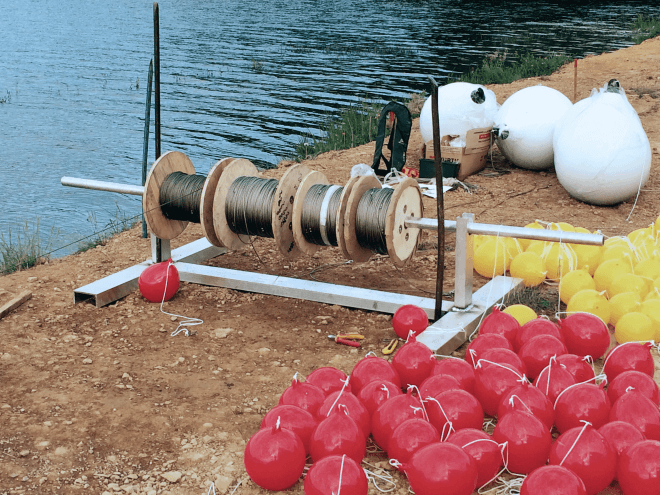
509, 231
99, 185
420, 223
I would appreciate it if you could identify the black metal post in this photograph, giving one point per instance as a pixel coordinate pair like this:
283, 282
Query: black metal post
159, 252
437, 154
145, 146
157, 79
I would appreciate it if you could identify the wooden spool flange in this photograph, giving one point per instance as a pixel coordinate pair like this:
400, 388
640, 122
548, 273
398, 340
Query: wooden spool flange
354, 250
282, 220
162, 227
308, 181
341, 212
401, 240
206, 202
232, 170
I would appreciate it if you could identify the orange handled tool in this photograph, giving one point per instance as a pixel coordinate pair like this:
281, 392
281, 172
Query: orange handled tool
343, 339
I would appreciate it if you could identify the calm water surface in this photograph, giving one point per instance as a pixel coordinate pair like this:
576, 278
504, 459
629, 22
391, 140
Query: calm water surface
238, 78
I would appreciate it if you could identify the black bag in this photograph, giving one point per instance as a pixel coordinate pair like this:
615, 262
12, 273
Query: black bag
399, 137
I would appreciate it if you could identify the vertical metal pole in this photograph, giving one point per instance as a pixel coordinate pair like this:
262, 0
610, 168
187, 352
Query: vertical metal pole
575, 83
439, 281
145, 146
160, 249
464, 262
156, 243
157, 78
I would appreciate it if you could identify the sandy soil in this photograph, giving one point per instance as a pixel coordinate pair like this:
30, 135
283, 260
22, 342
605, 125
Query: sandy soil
105, 400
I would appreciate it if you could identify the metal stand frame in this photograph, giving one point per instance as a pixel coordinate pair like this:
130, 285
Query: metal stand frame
461, 318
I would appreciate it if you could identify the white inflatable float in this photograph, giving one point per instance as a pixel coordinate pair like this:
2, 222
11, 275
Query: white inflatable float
602, 154
461, 106
526, 123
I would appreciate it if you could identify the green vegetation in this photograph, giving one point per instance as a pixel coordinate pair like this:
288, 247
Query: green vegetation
645, 27
23, 250
117, 224
496, 69
355, 125
542, 300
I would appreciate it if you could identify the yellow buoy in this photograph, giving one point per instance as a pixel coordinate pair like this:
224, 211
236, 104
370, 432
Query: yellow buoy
492, 258
609, 270
563, 226
530, 267
616, 253
651, 308
525, 242
636, 235
560, 260
521, 313
573, 282
624, 303
513, 247
615, 241
649, 268
537, 247
654, 293
628, 282
587, 256
634, 327
590, 301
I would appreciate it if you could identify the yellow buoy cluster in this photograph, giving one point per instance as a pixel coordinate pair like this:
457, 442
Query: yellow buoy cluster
618, 282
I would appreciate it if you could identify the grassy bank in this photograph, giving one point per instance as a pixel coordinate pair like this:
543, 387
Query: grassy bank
501, 69
23, 248
645, 27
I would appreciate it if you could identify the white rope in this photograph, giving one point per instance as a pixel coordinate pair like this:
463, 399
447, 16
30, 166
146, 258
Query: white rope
639, 188
236, 487
576, 440
497, 243
522, 377
621, 345
386, 477
339, 395
511, 402
595, 378
421, 400
372, 353
341, 473
211, 489
187, 321
386, 390
448, 422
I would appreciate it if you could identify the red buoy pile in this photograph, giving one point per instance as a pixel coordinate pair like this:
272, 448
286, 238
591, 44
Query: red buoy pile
428, 414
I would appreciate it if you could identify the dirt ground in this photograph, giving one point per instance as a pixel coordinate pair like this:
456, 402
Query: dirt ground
96, 400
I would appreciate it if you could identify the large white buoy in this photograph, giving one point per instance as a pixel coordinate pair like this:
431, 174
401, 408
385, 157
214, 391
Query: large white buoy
602, 154
461, 107
526, 123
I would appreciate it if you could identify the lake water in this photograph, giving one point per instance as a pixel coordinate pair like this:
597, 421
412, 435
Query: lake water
238, 78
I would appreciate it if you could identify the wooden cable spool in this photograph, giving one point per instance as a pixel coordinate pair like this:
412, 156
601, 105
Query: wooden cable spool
287, 209
167, 228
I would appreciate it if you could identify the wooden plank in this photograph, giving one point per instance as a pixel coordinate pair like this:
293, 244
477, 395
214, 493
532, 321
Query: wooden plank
343, 295
15, 303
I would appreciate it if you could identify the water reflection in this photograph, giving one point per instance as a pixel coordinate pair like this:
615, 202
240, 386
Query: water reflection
239, 78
